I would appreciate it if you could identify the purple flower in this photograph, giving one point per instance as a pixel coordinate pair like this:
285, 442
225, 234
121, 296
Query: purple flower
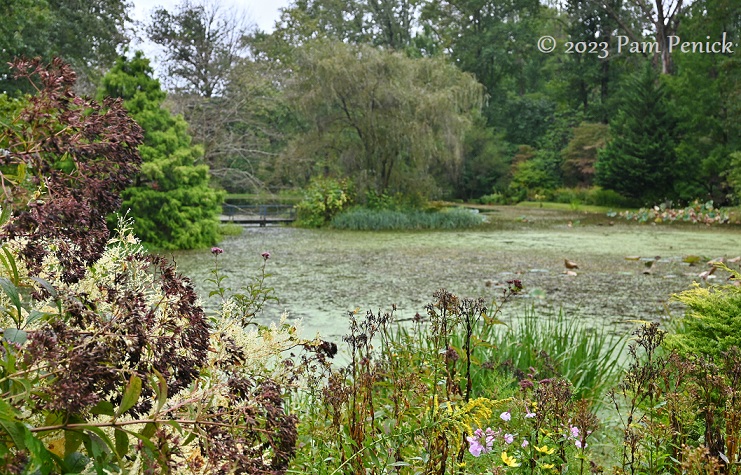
266, 255
509, 438
506, 416
529, 415
474, 446
525, 443
526, 383
578, 444
574, 432
490, 435
480, 442
216, 251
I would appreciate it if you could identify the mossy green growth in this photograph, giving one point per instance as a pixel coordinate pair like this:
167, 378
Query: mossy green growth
712, 324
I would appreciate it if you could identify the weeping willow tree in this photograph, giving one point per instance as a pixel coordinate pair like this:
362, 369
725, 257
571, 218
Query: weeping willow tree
391, 123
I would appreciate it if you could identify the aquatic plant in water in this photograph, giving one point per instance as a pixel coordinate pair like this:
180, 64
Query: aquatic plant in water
697, 212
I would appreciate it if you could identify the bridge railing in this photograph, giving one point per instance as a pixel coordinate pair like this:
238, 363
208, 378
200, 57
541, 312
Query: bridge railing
262, 210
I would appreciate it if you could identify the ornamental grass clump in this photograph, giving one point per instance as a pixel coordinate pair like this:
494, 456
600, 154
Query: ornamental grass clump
538, 346
364, 219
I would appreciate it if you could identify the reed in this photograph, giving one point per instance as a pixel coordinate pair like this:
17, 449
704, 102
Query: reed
364, 219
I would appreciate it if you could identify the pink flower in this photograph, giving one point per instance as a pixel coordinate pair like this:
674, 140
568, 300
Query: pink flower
506, 416
525, 443
490, 435
266, 255
574, 432
509, 438
216, 251
578, 444
529, 415
475, 445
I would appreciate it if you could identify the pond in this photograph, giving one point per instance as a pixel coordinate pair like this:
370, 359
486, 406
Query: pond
319, 275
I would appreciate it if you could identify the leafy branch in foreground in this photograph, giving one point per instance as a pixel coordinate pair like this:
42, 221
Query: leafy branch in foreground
64, 162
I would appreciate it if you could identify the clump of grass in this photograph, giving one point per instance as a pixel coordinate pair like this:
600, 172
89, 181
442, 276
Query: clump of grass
364, 219
230, 229
535, 346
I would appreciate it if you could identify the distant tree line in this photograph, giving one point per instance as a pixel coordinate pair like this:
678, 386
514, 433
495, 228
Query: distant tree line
435, 99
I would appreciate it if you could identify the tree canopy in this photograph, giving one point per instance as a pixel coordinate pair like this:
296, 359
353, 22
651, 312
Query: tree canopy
201, 43
87, 34
338, 86
382, 118
640, 161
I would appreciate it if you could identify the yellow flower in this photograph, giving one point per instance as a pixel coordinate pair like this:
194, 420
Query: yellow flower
545, 449
509, 461
548, 465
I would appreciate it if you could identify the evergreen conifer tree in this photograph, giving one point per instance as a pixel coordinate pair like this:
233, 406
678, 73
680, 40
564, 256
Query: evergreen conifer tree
640, 160
171, 200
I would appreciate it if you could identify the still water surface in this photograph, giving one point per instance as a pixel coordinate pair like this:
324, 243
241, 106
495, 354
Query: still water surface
321, 274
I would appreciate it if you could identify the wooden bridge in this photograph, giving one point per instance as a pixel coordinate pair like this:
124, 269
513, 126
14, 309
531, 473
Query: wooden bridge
257, 214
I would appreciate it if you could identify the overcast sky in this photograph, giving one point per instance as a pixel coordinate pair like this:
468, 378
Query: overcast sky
262, 12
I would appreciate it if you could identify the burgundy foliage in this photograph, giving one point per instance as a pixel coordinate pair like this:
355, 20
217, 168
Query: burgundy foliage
78, 155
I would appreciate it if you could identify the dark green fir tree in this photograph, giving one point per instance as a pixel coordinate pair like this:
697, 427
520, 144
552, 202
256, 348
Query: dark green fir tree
640, 160
171, 201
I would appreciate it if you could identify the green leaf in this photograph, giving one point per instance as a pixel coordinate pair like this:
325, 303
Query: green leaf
35, 315
12, 292
160, 391
104, 408
7, 411
145, 436
148, 430
102, 437
175, 425
14, 335
76, 462
131, 395
5, 213
122, 442
9, 262
191, 437
99, 446
41, 458
97, 449
16, 431
72, 441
